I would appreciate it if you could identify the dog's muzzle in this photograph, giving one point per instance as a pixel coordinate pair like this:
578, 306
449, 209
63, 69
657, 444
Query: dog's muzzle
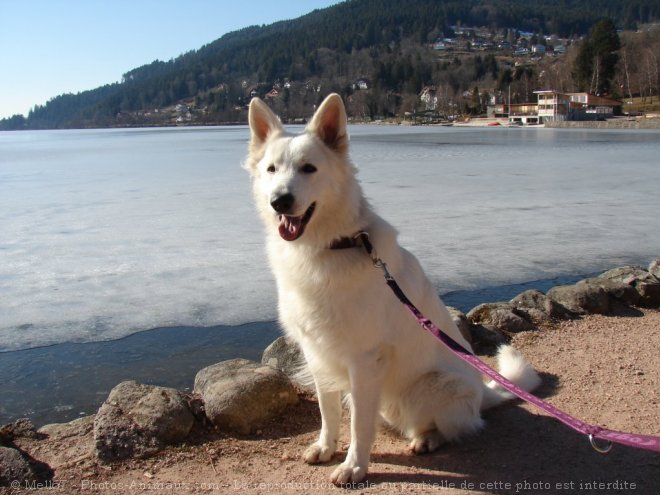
291, 227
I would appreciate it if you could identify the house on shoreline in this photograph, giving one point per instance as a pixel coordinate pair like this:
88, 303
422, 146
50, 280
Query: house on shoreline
554, 105
524, 114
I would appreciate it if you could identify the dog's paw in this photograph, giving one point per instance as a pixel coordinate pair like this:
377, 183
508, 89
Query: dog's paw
318, 454
346, 474
427, 442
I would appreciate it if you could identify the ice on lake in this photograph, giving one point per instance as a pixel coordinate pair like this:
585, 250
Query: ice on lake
109, 232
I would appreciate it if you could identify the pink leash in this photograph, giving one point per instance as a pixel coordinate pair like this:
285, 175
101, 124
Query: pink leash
594, 433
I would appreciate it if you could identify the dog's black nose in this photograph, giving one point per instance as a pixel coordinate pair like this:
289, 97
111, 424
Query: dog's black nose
283, 204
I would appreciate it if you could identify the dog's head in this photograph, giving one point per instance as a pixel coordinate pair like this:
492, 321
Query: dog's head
303, 184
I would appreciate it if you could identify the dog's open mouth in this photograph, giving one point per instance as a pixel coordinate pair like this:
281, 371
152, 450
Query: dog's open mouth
291, 228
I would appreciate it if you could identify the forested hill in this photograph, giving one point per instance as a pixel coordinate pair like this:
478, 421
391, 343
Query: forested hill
326, 50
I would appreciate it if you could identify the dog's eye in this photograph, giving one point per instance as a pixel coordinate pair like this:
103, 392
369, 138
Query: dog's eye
271, 169
308, 168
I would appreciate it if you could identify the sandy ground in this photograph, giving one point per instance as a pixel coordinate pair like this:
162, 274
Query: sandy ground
604, 370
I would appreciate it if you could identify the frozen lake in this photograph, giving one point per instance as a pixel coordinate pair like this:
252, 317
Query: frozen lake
105, 233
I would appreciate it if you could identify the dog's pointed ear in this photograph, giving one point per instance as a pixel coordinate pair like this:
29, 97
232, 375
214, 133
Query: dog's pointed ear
329, 123
263, 123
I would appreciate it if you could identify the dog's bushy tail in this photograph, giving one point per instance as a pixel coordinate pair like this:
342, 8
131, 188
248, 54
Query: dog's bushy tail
513, 367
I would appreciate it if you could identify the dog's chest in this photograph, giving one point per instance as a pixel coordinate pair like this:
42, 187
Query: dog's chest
325, 301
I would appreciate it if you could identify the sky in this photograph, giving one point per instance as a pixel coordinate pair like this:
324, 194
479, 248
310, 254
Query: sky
51, 47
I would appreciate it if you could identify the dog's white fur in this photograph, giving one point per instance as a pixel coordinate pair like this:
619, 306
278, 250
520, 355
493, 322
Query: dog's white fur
355, 335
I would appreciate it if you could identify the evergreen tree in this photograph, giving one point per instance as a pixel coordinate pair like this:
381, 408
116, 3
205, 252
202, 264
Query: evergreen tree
606, 43
13, 123
595, 65
475, 102
583, 67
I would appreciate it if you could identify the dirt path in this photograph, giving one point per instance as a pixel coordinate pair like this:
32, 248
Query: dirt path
604, 370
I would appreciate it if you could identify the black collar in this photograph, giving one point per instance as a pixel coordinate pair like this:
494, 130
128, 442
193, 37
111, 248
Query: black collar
359, 239
344, 243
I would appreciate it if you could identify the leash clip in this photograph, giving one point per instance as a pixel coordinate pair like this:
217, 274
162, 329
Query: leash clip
378, 263
363, 237
598, 448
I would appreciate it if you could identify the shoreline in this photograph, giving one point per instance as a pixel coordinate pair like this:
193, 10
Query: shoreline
517, 450
82, 374
480, 122
62, 382
79, 376
618, 123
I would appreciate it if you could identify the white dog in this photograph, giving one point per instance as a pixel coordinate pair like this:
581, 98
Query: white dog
355, 335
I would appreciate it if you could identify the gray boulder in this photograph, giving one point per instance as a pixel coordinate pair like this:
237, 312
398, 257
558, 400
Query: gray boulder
462, 322
138, 420
627, 274
284, 355
644, 282
581, 298
18, 466
501, 316
14, 468
530, 299
538, 307
76, 428
242, 395
654, 268
21, 428
616, 290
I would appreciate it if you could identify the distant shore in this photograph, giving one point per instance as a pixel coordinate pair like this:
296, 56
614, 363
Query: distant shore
483, 122
620, 123
614, 123
649, 122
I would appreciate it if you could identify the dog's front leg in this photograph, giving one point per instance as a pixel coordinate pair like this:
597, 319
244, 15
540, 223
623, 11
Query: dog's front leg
366, 381
326, 446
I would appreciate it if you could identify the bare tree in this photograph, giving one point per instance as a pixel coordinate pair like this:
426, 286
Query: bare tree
358, 105
652, 72
624, 58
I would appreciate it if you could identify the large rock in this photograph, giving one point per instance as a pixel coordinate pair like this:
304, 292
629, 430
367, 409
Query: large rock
654, 268
14, 468
138, 420
615, 290
539, 307
644, 282
21, 428
18, 466
462, 322
284, 355
627, 274
242, 395
76, 428
581, 298
501, 316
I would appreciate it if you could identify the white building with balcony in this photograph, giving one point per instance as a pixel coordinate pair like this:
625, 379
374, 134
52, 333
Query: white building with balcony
553, 105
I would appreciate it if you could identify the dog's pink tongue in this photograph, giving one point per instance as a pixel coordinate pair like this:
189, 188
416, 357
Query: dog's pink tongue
290, 228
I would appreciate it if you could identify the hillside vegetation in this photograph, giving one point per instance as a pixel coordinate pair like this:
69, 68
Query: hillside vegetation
379, 54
